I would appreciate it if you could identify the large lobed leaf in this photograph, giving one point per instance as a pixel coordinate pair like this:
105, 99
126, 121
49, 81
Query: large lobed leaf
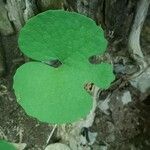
56, 34
57, 95
6, 146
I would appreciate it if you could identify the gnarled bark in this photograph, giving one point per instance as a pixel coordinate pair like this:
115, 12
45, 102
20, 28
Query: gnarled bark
134, 37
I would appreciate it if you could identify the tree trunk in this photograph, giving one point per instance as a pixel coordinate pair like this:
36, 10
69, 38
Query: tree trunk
121, 120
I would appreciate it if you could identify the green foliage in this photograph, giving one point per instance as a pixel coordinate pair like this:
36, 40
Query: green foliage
6, 146
57, 95
59, 35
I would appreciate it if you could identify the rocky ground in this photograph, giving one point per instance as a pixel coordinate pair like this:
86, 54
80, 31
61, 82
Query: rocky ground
122, 119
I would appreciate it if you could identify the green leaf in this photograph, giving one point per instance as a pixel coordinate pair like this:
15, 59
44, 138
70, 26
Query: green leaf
6, 146
57, 95
53, 95
59, 34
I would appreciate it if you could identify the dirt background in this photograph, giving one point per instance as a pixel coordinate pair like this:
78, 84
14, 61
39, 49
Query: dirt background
127, 127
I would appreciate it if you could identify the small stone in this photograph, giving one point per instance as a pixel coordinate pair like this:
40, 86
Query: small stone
57, 146
126, 98
103, 105
142, 82
103, 147
92, 137
19, 146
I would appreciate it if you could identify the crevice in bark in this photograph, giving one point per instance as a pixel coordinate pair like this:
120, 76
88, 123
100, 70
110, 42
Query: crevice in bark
5, 1
104, 13
127, 2
13, 25
72, 5
2, 60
